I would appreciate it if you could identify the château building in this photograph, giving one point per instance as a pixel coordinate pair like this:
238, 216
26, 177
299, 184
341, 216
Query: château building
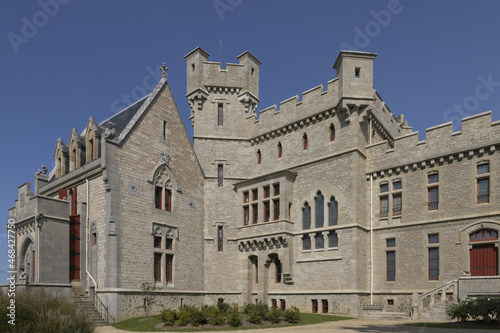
328, 202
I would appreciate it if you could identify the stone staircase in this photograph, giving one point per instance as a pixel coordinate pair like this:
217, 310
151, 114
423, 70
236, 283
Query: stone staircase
86, 305
433, 305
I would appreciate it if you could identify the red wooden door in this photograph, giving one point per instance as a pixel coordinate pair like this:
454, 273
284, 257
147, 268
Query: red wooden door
74, 247
484, 260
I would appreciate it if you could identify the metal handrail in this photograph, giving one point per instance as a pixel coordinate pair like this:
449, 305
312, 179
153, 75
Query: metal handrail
99, 305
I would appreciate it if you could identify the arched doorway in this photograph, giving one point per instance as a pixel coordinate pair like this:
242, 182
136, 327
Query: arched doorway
483, 252
27, 260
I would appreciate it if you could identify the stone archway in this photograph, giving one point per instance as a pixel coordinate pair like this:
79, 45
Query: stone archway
27, 260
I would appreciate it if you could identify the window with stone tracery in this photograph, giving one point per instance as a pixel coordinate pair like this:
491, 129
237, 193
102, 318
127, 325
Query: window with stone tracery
164, 189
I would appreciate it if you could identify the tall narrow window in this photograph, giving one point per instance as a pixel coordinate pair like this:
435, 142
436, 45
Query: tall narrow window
384, 206
319, 210
280, 150
158, 194
276, 204
267, 211
169, 268
259, 157
357, 71
94, 238
165, 130
324, 304
434, 264
245, 215
396, 210
306, 217
91, 143
333, 212
220, 114
168, 200
256, 264
282, 305
305, 143
157, 266
73, 160
306, 242
314, 306
278, 270
391, 266
255, 213
220, 175
433, 194
255, 194
245, 197
483, 183
274, 303
332, 132
220, 238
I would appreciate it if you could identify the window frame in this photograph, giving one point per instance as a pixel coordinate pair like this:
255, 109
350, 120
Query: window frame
388, 278
220, 238
220, 175
220, 114
276, 209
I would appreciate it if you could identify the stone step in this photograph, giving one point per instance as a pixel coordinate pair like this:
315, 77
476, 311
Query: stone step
379, 315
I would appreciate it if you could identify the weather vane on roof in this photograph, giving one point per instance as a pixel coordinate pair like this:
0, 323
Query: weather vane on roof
164, 70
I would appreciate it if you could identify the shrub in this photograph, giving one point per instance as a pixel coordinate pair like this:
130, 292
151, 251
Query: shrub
182, 317
254, 318
292, 315
481, 308
216, 317
168, 317
223, 307
274, 315
234, 316
195, 316
40, 311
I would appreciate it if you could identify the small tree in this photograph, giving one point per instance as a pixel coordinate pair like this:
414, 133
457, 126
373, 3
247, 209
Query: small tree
148, 290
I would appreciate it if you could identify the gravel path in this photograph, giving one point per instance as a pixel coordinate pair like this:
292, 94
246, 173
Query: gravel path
344, 326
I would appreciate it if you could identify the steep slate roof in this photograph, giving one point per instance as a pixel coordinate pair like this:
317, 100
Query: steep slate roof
122, 118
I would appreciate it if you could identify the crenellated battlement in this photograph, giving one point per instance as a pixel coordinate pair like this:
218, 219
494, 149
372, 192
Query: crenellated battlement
479, 135
293, 109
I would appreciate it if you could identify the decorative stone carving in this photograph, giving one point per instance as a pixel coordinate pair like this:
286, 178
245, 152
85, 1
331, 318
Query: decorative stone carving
110, 132
165, 158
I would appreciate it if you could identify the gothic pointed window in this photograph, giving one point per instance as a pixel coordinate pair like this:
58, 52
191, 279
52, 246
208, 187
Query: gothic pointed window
333, 212
280, 150
319, 213
163, 189
306, 216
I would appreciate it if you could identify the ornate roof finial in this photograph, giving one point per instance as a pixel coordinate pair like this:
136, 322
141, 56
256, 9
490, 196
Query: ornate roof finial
164, 70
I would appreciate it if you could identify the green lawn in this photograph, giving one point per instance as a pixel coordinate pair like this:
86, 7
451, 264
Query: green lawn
456, 325
140, 325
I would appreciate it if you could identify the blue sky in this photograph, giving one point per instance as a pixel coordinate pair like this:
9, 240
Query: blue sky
66, 60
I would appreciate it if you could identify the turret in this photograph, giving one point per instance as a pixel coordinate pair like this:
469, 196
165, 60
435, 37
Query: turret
355, 73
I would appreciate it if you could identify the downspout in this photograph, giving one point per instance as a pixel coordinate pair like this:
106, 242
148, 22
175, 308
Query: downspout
88, 239
371, 239
371, 222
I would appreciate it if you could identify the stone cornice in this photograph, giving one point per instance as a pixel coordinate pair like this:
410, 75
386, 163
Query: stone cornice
293, 126
434, 160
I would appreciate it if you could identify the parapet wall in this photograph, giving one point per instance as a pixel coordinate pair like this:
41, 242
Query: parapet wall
478, 136
290, 110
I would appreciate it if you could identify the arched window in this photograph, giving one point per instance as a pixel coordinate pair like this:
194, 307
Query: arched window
164, 189
280, 150
305, 142
319, 213
306, 216
259, 157
333, 212
332, 132
484, 234
306, 242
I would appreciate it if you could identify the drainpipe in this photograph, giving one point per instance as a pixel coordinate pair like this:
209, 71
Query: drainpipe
371, 221
371, 239
88, 239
